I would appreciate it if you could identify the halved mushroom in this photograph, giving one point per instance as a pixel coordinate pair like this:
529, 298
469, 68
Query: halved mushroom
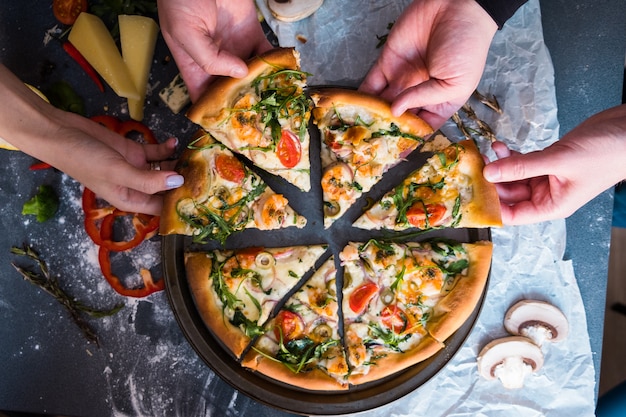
510, 359
537, 320
293, 10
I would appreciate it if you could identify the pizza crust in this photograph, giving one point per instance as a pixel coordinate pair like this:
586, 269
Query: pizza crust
314, 380
198, 267
328, 98
453, 310
215, 102
484, 208
396, 362
214, 112
193, 167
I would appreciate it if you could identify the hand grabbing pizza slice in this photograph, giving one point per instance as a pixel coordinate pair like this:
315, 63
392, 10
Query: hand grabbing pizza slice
263, 116
361, 140
301, 345
448, 191
221, 196
235, 291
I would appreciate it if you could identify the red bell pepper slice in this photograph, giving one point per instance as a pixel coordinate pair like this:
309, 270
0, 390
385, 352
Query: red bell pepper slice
149, 285
84, 64
110, 122
94, 214
142, 223
100, 219
106, 234
129, 126
38, 166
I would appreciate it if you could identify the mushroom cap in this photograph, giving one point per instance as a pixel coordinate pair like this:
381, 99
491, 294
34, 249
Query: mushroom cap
293, 10
509, 359
537, 320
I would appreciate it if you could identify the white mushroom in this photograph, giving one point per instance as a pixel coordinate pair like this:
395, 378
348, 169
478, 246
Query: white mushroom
293, 10
510, 359
537, 320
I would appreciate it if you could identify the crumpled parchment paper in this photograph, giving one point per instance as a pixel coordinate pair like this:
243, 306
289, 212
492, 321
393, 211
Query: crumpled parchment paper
527, 261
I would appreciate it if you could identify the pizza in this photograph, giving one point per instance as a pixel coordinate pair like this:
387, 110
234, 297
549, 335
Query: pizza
360, 140
235, 291
263, 116
449, 190
371, 309
221, 196
401, 301
301, 345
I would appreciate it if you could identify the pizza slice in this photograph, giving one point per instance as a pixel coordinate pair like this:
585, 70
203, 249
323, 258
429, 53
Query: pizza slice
263, 116
301, 345
221, 196
235, 291
401, 301
448, 191
361, 140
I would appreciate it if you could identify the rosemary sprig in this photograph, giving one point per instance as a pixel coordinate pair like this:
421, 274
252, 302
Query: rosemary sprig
50, 284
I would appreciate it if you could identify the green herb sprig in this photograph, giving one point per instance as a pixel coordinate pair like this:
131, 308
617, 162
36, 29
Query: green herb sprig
51, 285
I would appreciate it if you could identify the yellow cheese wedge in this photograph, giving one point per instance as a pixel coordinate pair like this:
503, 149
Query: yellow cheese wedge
138, 35
94, 41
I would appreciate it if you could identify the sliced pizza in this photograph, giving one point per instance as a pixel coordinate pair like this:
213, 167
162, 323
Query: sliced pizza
448, 191
235, 291
401, 301
361, 140
263, 116
221, 196
301, 345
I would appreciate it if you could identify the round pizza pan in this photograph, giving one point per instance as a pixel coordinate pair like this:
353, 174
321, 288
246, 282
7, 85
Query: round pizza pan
286, 397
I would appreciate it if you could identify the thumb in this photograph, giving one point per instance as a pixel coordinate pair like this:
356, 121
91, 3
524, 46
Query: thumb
518, 167
430, 93
213, 61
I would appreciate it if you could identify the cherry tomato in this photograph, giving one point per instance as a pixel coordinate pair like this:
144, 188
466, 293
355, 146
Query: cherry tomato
416, 214
360, 297
394, 318
66, 11
230, 168
289, 326
289, 150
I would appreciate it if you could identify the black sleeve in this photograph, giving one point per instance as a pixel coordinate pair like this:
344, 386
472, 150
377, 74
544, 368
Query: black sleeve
501, 10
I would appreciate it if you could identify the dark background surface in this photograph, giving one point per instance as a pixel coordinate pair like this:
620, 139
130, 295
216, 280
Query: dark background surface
45, 364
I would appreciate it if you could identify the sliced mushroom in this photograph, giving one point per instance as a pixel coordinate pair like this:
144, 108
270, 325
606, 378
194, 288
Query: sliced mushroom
537, 320
510, 359
293, 10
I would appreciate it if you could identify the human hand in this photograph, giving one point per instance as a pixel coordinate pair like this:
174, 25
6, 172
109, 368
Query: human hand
433, 58
113, 167
116, 169
211, 37
555, 182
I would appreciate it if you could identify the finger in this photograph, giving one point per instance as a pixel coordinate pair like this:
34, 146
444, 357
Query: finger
134, 201
514, 192
429, 93
501, 150
519, 167
213, 61
526, 212
375, 81
435, 120
143, 180
161, 151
